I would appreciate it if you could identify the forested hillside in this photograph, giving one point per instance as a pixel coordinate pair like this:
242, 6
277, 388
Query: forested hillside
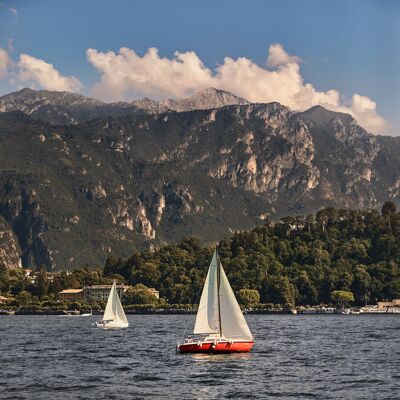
294, 261
297, 260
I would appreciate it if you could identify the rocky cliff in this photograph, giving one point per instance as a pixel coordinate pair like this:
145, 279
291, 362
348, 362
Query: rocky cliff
77, 193
10, 252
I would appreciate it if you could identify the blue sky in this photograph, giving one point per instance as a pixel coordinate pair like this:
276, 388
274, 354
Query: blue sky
350, 46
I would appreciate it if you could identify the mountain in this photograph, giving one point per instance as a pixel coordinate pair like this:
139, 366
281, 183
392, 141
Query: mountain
64, 108
75, 194
61, 108
208, 98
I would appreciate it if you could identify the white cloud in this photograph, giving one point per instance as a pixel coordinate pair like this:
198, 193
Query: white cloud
4, 63
127, 75
43, 74
278, 56
364, 110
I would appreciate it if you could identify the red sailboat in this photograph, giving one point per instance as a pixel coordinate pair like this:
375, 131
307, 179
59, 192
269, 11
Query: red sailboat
219, 317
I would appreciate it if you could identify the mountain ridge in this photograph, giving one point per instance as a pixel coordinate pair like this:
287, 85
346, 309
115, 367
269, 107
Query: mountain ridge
117, 183
65, 108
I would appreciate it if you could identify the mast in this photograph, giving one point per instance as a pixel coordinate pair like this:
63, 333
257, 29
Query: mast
115, 294
218, 287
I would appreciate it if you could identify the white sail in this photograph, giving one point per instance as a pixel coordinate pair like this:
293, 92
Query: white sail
114, 310
207, 320
233, 324
219, 311
121, 317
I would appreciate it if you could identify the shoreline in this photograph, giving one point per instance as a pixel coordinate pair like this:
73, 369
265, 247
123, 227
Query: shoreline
177, 312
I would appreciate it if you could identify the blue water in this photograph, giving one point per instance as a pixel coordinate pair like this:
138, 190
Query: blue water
295, 357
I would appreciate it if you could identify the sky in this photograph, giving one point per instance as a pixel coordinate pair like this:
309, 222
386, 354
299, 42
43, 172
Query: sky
344, 55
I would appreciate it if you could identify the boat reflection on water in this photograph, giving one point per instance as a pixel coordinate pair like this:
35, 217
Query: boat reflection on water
219, 358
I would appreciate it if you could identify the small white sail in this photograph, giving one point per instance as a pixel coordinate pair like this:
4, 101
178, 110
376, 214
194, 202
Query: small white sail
233, 324
114, 310
207, 320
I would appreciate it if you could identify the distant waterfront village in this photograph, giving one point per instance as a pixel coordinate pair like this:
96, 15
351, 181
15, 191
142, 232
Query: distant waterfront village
142, 299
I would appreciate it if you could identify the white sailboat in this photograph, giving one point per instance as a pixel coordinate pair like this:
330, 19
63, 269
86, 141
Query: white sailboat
219, 316
114, 315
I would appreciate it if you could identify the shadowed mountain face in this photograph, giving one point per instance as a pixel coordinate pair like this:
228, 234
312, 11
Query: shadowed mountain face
75, 194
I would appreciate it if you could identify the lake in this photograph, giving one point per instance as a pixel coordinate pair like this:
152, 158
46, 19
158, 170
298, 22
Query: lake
295, 357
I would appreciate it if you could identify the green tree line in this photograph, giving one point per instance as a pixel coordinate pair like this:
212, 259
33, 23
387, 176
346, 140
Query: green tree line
296, 260
293, 261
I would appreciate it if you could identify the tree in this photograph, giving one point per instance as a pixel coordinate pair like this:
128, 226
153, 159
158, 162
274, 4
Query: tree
147, 274
42, 285
75, 305
388, 211
279, 290
307, 292
72, 282
55, 287
113, 266
248, 297
23, 298
385, 247
139, 294
322, 219
342, 297
361, 284
4, 279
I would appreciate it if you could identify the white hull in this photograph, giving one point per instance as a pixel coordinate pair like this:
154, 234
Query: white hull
112, 325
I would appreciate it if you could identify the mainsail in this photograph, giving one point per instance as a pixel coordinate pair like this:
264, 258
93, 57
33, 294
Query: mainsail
207, 319
219, 311
114, 310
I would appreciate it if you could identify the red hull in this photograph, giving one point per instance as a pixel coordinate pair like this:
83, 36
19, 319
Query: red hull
219, 347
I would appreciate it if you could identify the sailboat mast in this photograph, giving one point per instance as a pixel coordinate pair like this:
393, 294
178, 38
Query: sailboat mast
218, 287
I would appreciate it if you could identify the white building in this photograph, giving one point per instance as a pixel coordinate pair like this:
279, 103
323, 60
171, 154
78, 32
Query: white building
101, 292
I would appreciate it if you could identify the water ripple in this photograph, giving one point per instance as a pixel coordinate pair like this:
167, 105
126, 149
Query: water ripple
302, 357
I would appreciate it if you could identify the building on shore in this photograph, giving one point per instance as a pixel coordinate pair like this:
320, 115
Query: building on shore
5, 300
154, 292
71, 295
386, 305
96, 293
101, 292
